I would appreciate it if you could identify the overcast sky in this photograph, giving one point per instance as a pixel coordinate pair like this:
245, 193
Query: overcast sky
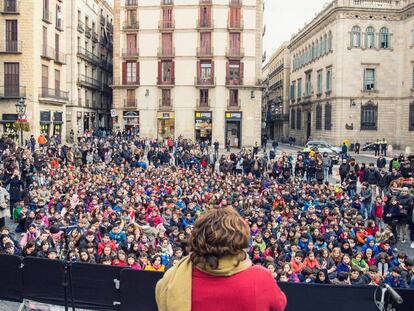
285, 17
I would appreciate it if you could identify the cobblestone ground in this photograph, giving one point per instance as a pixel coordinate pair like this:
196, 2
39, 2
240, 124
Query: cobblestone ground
9, 306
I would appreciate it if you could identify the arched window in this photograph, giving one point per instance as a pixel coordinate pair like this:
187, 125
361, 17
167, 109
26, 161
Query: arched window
325, 44
369, 116
356, 37
411, 117
370, 38
330, 42
328, 117
292, 119
385, 41
299, 119
318, 117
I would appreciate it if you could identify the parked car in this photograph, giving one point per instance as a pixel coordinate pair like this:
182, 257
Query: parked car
322, 147
368, 147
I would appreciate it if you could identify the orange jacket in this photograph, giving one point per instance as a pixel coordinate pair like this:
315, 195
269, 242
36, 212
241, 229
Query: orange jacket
41, 140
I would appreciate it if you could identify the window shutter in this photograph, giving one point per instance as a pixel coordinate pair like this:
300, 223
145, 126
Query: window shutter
173, 72
198, 71
241, 72
364, 80
124, 73
159, 72
137, 73
373, 79
212, 71
227, 71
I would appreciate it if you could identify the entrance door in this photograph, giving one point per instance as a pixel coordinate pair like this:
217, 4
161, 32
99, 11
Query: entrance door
86, 123
233, 133
166, 128
309, 125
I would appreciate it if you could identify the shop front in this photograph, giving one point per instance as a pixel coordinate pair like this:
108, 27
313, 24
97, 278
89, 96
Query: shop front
9, 129
93, 120
203, 126
166, 125
45, 122
57, 123
131, 121
233, 131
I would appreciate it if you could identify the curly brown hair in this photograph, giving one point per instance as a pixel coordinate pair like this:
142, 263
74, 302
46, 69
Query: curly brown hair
218, 233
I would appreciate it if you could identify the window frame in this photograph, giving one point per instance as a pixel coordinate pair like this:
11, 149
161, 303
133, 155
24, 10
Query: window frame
369, 116
356, 34
374, 82
318, 117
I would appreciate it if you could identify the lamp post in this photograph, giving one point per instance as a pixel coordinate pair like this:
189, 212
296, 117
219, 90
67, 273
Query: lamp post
21, 111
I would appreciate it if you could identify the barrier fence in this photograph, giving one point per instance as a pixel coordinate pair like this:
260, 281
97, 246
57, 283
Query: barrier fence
100, 287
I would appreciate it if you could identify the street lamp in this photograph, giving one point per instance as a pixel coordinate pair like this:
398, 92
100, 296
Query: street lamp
21, 111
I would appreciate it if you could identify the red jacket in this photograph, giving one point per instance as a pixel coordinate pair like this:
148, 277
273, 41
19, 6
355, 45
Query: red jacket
252, 289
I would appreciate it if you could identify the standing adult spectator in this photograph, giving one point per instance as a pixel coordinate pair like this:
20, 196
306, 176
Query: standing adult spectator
357, 147
343, 170
15, 185
382, 182
32, 143
218, 275
381, 162
406, 207
371, 176
366, 200
4, 203
327, 162
384, 145
377, 147
344, 151
275, 144
216, 149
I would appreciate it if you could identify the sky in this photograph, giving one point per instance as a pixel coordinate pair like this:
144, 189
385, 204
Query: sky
284, 18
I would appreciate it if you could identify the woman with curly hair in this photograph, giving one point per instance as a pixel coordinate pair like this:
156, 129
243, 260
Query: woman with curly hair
218, 274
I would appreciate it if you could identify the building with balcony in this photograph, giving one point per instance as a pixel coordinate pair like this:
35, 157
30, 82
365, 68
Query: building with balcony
275, 104
33, 65
89, 27
185, 68
352, 74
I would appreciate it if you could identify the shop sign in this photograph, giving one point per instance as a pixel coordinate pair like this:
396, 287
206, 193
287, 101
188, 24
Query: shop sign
203, 115
233, 115
44, 116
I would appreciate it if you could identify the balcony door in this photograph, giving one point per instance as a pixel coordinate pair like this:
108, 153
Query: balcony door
235, 42
11, 79
205, 42
57, 83
45, 80
11, 36
166, 43
131, 44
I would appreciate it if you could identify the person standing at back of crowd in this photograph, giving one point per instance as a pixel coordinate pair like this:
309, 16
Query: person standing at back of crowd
384, 145
4, 203
216, 149
357, 147
377, 147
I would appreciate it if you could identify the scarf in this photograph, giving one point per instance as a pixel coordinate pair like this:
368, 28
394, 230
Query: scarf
173, 291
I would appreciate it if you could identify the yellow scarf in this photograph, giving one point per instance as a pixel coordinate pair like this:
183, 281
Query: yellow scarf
173, 291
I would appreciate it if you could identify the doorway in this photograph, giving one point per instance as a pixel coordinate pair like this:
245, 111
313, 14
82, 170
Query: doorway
233, 134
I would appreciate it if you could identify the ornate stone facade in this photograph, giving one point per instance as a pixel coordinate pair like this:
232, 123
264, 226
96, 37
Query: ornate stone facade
352, 74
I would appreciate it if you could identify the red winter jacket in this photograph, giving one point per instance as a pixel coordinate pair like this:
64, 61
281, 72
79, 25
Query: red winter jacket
252, 289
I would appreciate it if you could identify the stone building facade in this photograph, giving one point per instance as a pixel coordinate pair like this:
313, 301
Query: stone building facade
33, 65
275, 105
352, 74
89, 74
189, 68
37, 41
